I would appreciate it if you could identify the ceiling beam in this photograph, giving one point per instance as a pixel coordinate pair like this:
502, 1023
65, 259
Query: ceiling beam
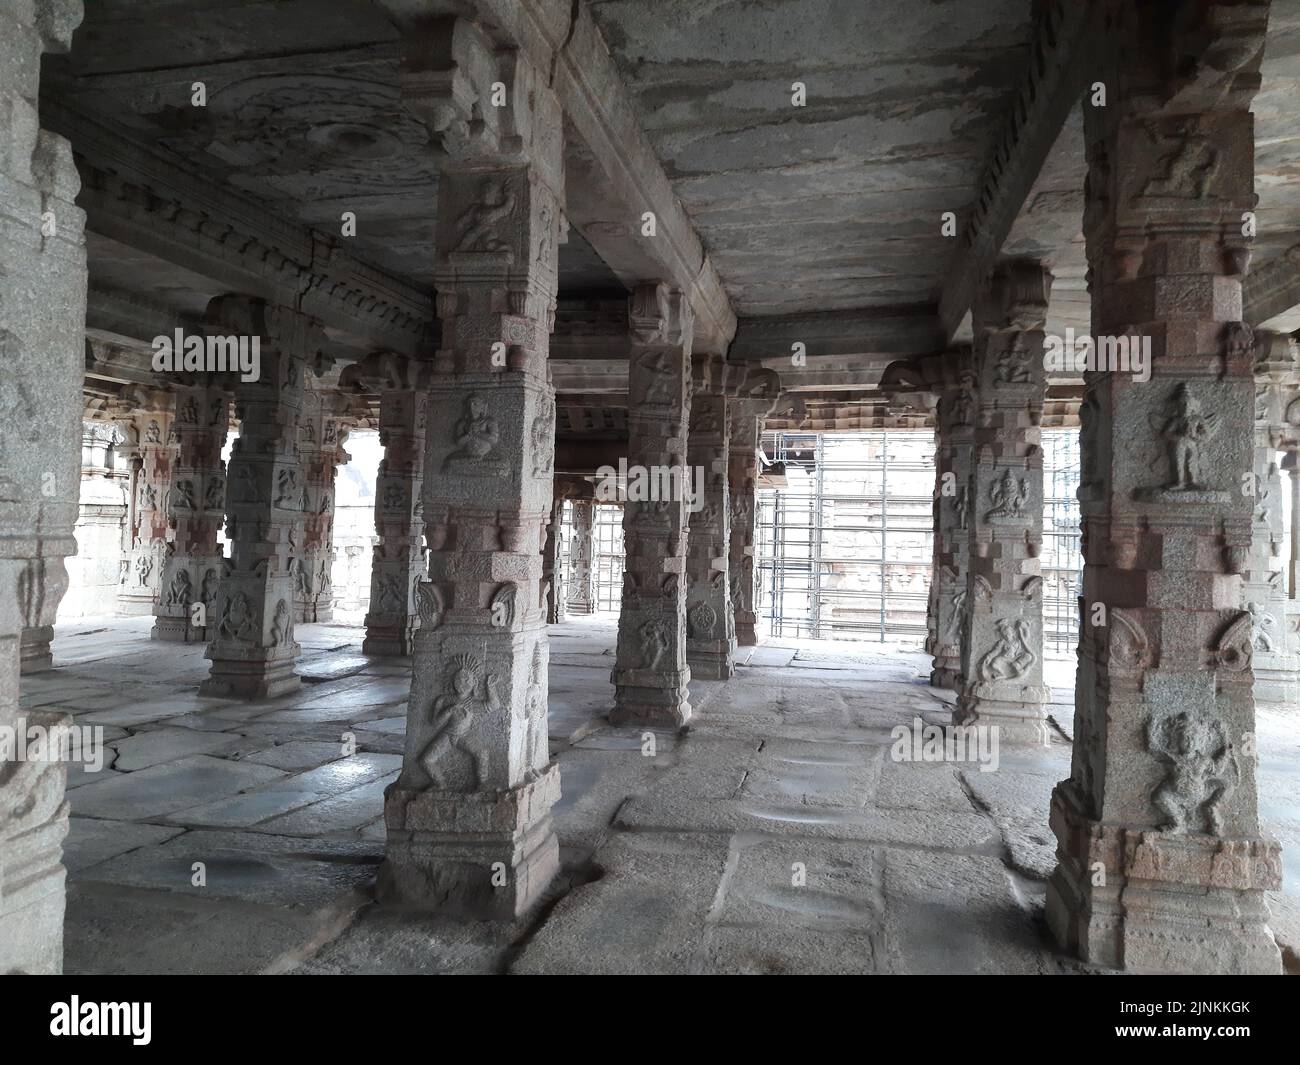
1059, 68
613, 175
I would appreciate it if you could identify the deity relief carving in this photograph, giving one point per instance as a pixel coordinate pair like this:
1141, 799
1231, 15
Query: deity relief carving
658, 376
542, 438
961, 503
1186, 430
476, 435
1009, 495
281, 624
450, 758
1203, 770
479, 227
238, 621
1186, 166
214, 493
180, 591
654, 643
1012, 363
952, 627
1011, 657
143, 569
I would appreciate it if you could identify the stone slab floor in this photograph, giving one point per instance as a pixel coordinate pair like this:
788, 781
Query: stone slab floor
776, 835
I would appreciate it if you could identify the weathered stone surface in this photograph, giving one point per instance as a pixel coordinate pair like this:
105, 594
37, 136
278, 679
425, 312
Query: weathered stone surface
650, 675
1002, 621
469, 825
42, 316
1162, 794
251, 645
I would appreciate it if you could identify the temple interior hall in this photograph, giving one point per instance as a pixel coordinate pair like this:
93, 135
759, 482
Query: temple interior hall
623, 487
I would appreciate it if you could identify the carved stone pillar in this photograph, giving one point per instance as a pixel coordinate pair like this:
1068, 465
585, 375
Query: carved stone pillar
150, 445
552, 575
650, 674
196, 506
1275, 662
1002, 628
953, 434
42, 362
397, 564
1162, 865
469, 821
582, 597
322, 434
742, 479
710, 617
252, 646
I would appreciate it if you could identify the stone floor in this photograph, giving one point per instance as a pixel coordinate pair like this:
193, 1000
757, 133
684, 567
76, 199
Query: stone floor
777, 835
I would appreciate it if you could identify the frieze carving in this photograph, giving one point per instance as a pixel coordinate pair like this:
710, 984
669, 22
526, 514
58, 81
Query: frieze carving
451, 758
1202, 773
1012, 656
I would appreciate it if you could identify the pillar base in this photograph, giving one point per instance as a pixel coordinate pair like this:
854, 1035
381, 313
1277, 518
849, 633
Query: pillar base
579, 608
177, 630
31, 859
1166, 903
313, 615
443, 846
745, 635
35, 649
386, 637
947, 677
714, 660
1277, 679
650, 698
232, 679
1021, 719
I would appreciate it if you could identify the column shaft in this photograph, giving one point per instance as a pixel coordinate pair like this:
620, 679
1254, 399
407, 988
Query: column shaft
196, 507
42, 364
252, 646
742, 474
651, 674
469, 819
582, 597
1002, 637
398, 561
322, 434
954, 427
1162, 866
710, 618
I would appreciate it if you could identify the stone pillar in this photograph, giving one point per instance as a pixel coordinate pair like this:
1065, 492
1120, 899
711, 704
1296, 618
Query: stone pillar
469, 819
252, 647
42, 355
710, 620
1290, 464
650, 675
582, 597
1162, 867
953, 438
1002, 627
397, 564
322, 434
150, 445
101, 523
552, 574
1264, 587
196, 509
742, 478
